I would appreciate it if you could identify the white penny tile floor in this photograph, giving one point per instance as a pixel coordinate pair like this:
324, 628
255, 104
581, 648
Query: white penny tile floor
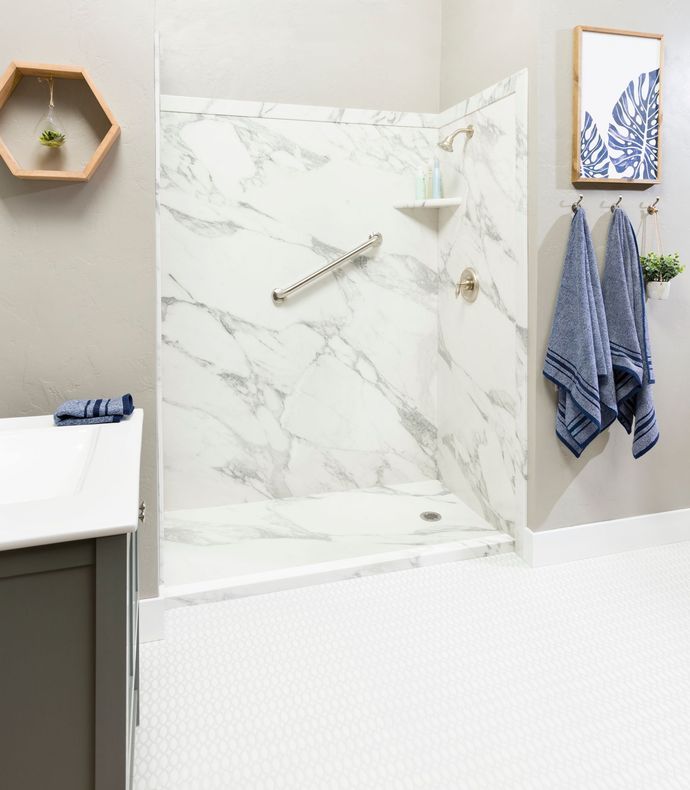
463, 676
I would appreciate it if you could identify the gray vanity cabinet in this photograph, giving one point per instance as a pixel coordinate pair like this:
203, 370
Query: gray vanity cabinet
69, 658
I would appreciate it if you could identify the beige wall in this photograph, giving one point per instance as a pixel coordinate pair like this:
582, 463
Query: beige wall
483, 41
379, 54
606, 483
77, 301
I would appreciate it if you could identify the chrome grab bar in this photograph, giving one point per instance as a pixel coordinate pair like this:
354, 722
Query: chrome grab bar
280, 294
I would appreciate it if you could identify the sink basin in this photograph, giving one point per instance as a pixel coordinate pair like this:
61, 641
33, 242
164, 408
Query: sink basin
43, 463
67, 483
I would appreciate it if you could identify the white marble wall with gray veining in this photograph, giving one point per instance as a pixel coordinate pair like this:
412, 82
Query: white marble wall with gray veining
335, 389
377, 375
482, 346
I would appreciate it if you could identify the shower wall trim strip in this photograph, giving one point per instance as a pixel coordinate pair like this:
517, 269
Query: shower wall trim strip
295, 112
195, 105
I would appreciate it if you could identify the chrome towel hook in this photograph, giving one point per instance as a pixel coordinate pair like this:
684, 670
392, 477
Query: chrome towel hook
617, 203
577, 204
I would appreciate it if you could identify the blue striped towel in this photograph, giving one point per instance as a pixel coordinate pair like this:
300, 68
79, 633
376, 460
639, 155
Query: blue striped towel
578, 359
93, 412
626, 315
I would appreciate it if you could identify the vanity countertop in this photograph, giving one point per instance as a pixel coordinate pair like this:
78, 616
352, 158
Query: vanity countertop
67, 483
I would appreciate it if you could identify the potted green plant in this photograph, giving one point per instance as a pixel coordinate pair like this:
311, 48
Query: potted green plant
659, 270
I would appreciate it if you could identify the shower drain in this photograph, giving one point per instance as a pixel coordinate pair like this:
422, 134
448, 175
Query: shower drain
430, 515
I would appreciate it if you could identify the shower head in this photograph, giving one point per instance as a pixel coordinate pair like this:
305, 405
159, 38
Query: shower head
447, 143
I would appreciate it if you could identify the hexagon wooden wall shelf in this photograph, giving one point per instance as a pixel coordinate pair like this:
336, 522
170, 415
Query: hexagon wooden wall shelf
9, 81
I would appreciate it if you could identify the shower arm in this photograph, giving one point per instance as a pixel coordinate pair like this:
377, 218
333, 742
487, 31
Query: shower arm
280, 294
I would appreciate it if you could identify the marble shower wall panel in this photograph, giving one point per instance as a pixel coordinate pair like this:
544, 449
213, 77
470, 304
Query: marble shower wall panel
336, 388
482, 346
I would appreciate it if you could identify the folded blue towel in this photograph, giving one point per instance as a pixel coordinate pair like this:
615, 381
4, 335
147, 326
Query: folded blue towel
626, 316
93, 412
578, 359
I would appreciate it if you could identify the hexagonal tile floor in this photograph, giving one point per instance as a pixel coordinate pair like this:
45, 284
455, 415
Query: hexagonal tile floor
478, 674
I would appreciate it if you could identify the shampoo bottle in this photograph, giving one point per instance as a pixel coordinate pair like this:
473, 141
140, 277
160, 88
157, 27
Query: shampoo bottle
436, 187
420, 185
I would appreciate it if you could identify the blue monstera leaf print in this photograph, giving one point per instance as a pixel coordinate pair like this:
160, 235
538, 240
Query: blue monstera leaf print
594, 155
634, 131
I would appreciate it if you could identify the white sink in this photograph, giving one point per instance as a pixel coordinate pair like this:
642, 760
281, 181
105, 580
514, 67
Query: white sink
67, 483
43, 463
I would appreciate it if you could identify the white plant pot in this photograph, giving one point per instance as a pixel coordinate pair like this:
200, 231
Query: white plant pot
657, 290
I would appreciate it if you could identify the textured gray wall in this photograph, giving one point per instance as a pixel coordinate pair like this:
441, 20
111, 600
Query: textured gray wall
77, 302
607, 483
379, 54
483, 41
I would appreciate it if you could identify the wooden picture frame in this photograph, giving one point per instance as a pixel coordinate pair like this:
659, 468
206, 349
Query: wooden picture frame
620, 73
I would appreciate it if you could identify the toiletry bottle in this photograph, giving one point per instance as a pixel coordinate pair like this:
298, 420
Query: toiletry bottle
428, 178
420, 185
436, 188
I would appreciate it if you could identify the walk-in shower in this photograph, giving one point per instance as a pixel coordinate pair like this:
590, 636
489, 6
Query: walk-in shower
372, 419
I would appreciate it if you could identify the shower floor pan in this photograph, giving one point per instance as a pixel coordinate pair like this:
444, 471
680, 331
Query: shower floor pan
231, 551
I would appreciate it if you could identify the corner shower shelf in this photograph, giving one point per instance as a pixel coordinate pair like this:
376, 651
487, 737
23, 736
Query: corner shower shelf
430, 203
14, 74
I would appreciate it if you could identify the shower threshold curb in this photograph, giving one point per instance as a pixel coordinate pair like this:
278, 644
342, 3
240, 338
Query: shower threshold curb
213, 590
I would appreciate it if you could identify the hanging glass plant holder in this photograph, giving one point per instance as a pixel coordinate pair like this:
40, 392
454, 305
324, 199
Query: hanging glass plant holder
50, 130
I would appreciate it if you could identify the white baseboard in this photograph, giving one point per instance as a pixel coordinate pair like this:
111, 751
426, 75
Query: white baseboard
151, 619
552, 546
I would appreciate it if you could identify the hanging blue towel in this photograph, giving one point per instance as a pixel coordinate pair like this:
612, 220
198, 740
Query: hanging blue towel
628, 334
93, 412
578, 359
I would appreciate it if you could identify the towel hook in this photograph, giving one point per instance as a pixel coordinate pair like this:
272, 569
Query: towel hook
577, 204
617, 203
653, 209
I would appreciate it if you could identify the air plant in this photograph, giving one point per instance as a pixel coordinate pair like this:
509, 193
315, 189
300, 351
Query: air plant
52, 138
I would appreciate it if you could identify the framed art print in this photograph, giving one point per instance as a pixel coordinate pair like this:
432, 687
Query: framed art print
617, 107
